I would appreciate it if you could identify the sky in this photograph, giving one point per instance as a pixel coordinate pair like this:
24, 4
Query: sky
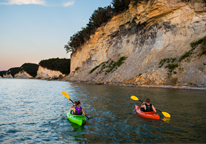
35, 30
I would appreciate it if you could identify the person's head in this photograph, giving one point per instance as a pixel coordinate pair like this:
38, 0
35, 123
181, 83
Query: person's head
147, 100
77, 103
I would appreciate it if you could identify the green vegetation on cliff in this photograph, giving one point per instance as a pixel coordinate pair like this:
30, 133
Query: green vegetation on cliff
30, 68
99, 18
2, 73
172, 63
62, 65
13, 71
109, 66
194, 46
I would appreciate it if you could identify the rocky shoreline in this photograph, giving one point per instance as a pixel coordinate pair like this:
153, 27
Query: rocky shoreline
142, 86
127, 85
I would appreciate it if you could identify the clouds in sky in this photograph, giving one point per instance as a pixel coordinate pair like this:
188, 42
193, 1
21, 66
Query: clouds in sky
35, 2
68, 3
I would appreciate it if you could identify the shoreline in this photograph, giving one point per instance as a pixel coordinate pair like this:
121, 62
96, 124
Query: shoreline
143, 86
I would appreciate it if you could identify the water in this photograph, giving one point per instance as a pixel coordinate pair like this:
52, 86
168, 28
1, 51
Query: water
34, 111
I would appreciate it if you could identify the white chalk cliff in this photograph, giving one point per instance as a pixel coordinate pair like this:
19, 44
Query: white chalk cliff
7, 76
22, 75
44, 73
145, 35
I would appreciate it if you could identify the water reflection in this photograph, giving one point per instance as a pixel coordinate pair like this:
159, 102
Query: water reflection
166, 119
76, 127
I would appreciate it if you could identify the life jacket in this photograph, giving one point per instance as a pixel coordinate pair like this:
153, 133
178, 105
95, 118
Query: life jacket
78, 111
148, 108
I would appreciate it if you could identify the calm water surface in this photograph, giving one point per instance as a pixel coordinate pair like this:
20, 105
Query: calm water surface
34, 111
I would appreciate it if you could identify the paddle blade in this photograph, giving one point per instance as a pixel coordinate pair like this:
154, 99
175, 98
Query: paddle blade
166, 114
66, 95
134, 98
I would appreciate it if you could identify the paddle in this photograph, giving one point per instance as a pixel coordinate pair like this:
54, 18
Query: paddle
164, 113
67, 96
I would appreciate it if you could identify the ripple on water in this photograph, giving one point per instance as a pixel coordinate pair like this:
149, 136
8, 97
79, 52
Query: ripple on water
34, 111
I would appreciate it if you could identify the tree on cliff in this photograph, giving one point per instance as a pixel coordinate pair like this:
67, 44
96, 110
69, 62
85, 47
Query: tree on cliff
120, 5
62, 65
2, 73
30, 68
100, 16
13, 71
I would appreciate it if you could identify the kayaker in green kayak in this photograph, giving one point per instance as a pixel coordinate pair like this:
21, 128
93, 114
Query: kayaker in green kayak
147, 107
77, 109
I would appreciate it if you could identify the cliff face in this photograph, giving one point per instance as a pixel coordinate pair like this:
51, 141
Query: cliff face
153, 38
22, 75
7, 76
44, 73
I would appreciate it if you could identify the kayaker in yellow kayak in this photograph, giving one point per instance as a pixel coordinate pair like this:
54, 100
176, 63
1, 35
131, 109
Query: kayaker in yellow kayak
147, 107
77, 109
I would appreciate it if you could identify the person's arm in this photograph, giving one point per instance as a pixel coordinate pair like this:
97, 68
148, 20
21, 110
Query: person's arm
83, 111
143, 105
72, 107
154, 109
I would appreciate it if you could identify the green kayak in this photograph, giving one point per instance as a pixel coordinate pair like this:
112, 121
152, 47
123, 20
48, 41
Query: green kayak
78, 119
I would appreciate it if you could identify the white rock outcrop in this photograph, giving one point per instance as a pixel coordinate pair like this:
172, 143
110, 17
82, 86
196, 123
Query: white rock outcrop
7, 76
44, 73
22, 75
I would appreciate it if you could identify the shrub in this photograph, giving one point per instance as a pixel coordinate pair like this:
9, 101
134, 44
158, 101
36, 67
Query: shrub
114, 65
161, 63
2, 73
203, 50
94, 69
62, 65
168, 60
77, 68
172, 66
194, 44
109, 67
99, 17
13, 71
30, 68
203, 46
187, 54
